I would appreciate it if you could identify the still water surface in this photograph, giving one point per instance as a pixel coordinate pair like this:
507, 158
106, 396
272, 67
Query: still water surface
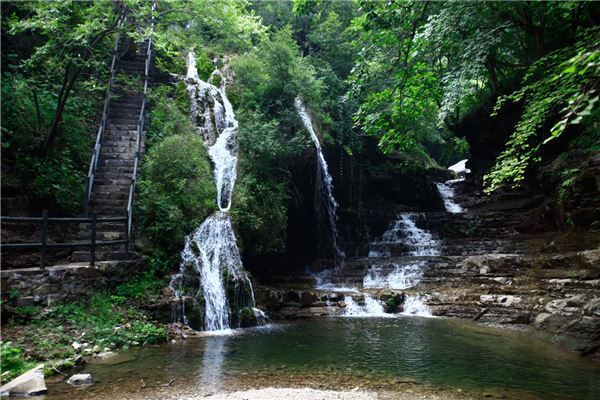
383, 354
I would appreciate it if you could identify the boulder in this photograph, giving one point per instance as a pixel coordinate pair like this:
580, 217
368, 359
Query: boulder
31, 383
80, 380
106, 354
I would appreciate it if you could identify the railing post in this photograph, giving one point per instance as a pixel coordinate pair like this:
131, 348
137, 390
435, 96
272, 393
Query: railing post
93, 241
86, 200
127, 248
44, 237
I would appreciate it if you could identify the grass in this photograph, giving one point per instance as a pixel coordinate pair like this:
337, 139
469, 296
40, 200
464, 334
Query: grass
103, 322
13, 363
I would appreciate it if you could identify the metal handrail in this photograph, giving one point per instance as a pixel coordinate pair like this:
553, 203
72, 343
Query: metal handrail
89, 182
43, 244
139, 132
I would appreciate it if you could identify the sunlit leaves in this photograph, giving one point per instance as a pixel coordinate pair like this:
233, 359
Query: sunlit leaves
563, 84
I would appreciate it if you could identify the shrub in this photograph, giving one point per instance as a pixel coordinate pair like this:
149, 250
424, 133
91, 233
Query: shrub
12, 361
176, 190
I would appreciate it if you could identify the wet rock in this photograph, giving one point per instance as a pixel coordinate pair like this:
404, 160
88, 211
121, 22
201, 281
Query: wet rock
481, 314
541, 320
550, 248
106, 354
307, 298
31, 383
292, 296
393, 302
25, 301
79, 360
592, 307
80, 380
590, 258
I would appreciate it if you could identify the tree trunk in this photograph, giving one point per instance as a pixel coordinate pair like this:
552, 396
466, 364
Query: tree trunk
65, 91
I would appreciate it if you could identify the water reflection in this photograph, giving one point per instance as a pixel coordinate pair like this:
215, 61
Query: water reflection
211, 371
334, 352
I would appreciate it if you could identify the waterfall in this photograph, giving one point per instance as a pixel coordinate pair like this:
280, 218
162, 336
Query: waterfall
404, 276
219, 129
371, 308
324, 187
211, 269
446, 192
413, 305
405, 238
405, 233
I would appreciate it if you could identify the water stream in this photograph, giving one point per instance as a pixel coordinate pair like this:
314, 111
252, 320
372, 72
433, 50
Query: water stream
211, 270
324, 188
403, 238
446, 192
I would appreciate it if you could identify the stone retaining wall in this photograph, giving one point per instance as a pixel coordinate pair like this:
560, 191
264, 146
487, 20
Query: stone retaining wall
43, 287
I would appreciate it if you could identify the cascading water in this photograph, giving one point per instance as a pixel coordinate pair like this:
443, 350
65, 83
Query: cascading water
371, 308
404, 232
403, 238
211, 270
324, 187
446, 192
402, 277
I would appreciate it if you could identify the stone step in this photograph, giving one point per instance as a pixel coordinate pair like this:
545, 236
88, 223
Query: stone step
109, 207
116, 165
120, 152
119, 171
119, 141
129, 113
120, 137
139, 67
126, 104
120, 118
129, 107
106, 192
113, 192
122, 126
118, 156
104, 234
106, 212
126, 146
121, 95
110, 253
132, 71
139, 60
102, 204
84, 229
108, 174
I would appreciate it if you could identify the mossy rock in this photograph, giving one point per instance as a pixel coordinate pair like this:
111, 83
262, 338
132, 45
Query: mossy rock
247, 318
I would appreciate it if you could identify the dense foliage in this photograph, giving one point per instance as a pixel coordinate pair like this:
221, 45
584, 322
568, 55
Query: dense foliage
176, 190
54, 58
563, 84
398, 74
421, 66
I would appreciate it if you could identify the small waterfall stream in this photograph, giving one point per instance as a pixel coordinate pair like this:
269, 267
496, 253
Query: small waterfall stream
405, 237
211, 270
324, 187
446, 192
399, 258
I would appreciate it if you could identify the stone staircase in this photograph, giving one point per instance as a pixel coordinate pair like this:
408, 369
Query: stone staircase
114, 174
